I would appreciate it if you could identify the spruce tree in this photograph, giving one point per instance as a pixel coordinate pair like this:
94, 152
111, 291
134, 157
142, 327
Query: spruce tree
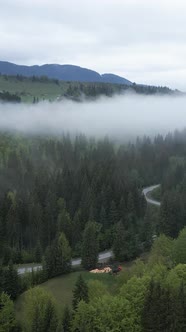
113, 214
103, 218
120, 244
156, 316
90, 246
58, 257
180, 309
67, 319
80, 292
11, 281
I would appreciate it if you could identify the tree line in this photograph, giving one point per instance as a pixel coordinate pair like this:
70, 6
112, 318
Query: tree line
6, 96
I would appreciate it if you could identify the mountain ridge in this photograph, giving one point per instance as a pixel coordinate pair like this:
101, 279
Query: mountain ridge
64, 72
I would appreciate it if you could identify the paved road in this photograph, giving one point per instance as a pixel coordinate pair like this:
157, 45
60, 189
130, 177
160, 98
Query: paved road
103, 255
147, 190
75, 262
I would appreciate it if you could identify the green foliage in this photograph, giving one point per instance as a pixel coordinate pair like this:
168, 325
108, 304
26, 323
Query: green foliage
146, 232
67, 319
58, 257
80, 292
11, 282
43, 194
96, 289
39, 311
134, 291
38, 253
7, 315
105, 314
120, 245
157, 309
179, 248
90, 246
170, 214
33, 89
5, 96
177, 276
161, 252
64, 221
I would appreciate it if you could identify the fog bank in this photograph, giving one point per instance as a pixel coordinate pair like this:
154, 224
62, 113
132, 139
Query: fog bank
127, 116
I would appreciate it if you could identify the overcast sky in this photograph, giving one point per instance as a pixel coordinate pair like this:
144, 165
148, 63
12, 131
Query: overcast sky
142, 40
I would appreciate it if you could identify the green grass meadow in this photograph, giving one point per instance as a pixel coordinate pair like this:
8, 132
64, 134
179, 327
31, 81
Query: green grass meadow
62, 288
28, 89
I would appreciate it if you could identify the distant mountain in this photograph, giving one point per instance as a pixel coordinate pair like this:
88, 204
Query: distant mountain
61, 72
114, 79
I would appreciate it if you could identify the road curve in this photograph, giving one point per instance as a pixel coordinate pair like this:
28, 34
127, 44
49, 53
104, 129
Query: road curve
103, 255
147, 190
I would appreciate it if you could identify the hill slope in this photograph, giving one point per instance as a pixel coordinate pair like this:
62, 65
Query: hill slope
61, 72
33, 89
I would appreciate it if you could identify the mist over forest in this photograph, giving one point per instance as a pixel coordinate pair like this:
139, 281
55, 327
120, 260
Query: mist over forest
120, 117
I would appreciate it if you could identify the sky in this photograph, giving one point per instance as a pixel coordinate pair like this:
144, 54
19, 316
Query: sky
141, 40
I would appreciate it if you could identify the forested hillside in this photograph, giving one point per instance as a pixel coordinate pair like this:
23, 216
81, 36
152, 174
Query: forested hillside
49, 185
62, 197
36, 89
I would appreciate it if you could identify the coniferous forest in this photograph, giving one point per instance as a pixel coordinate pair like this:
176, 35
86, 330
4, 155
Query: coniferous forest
67, 197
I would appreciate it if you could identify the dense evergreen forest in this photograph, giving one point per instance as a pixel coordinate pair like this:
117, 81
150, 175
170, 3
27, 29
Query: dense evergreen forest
64, 197
54, 185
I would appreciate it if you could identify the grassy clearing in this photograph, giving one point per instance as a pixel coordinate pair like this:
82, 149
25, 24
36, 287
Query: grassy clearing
27, 89
62, 287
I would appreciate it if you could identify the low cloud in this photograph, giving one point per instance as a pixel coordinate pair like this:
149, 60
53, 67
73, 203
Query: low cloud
123, 116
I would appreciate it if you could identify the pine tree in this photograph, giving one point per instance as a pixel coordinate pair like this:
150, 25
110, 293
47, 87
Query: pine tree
103, 218
58, 257
90, 246
120, 244
156, 316
2, 238
38, 253
130, 204
7, 314
39, 311
179, 248
50, 320
180, 309
122, 209
80, 292
67, 319
11, 281
113, 214
64, 221
146, 230
170, 215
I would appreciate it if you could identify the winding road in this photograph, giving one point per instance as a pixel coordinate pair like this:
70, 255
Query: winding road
103, 255
150, 200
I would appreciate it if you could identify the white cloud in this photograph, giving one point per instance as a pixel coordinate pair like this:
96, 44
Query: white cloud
123, 116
